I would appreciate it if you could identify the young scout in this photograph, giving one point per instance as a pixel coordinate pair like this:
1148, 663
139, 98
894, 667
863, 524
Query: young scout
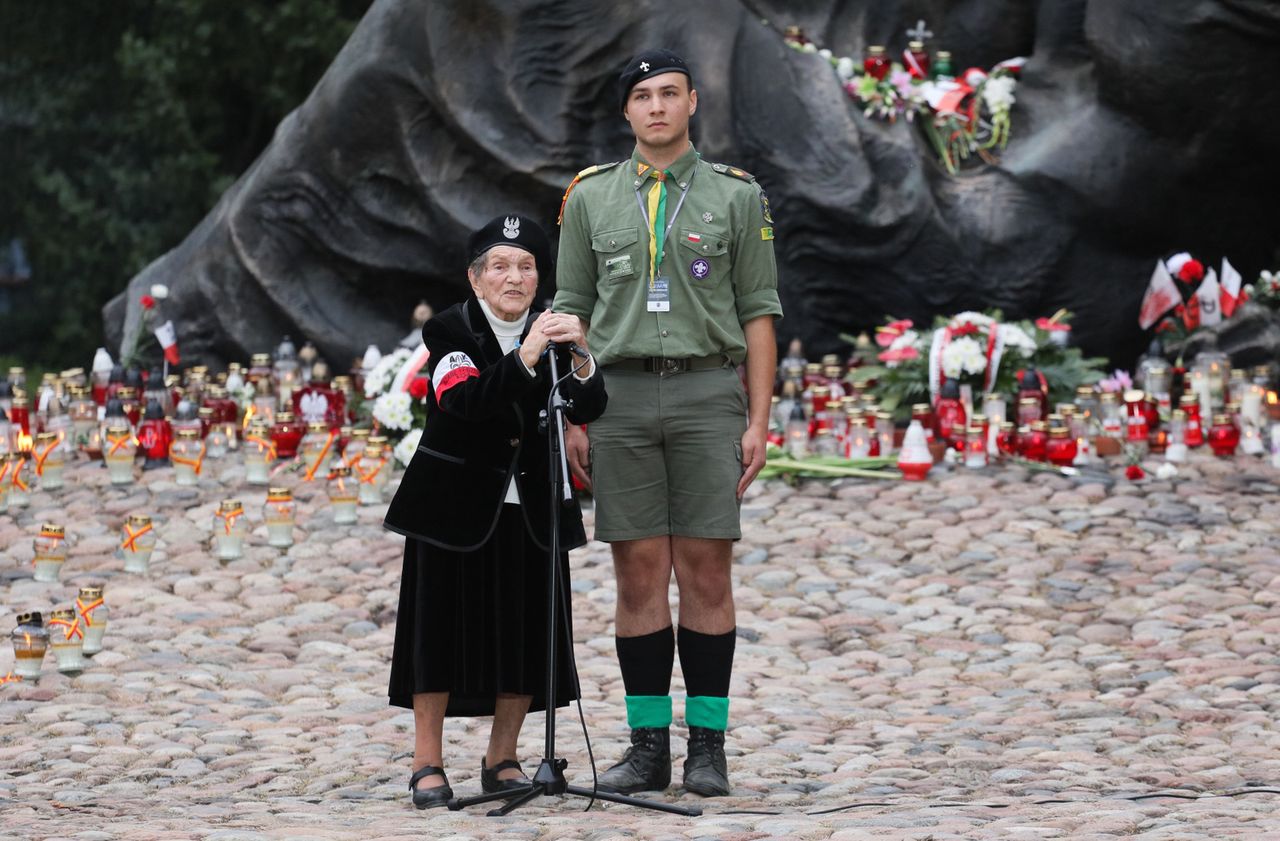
669, 261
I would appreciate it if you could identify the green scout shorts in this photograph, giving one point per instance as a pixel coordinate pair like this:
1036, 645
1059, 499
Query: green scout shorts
666, 456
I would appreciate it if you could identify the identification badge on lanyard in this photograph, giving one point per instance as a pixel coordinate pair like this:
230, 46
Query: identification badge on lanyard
659, 295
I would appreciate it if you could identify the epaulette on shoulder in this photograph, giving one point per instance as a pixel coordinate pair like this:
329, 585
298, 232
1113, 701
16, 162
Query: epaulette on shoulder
586, 173
725, 169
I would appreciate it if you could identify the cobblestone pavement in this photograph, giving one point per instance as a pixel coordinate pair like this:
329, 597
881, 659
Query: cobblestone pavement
991, 654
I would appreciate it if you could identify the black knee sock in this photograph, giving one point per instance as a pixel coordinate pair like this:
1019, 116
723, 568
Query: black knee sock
646, 662
707, 662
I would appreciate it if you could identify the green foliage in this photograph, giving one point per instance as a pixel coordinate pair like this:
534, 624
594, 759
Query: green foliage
121, 123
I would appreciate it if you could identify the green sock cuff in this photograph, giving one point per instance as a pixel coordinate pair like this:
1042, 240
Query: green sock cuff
707, 711
648, 711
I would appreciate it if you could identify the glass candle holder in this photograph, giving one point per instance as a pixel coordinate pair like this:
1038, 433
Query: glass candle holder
797, 432
859, 438
1110, 417
216, 444
1251, 443
359, 439
1193, 433
975, 447
279, 512
1061, 447
119, 447
317, 449
228, 530
30, 641
1028, 410
1137, 428
1175, 449
875, 64
884, 432
286, 434
50, 552
49, 461
914, 459
259, 454
1035, 443
343, 494
187, 454
374, 474
1224, 437
1007, 439
18, 478
923, 413
93, 614
137, 541
824, 443
66, 638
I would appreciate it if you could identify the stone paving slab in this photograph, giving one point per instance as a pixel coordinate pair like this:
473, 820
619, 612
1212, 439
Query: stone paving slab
988, 654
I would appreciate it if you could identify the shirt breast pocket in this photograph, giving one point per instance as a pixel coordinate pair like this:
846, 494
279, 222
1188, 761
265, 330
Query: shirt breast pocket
704, 256
616, 256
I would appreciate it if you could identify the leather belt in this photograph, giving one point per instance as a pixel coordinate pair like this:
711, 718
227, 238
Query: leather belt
668, 365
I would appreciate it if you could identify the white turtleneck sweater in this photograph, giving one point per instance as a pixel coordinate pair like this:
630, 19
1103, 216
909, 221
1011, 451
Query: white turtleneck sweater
508, 335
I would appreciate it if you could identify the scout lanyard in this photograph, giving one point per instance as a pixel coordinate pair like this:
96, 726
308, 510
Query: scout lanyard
654, 220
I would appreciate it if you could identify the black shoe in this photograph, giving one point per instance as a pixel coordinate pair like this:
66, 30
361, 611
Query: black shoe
705, 770
646, 766
426, 798
490, 782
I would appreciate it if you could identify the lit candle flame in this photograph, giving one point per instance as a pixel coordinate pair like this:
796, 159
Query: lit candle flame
1271, 398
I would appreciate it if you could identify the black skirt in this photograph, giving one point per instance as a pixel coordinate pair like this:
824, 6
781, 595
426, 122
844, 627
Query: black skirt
474, 624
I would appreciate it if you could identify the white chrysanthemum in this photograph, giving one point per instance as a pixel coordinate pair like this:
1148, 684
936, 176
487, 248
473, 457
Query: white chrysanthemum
393, 410
1015, 338
159, 291
970, 317
408, 445
380, 377
998, 93
963, 356
845, 68
908, 337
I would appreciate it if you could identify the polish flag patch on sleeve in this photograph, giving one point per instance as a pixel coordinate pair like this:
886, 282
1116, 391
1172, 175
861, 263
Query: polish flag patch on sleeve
451, 370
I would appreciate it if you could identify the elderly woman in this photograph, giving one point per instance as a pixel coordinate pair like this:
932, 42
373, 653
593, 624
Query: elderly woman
473, 503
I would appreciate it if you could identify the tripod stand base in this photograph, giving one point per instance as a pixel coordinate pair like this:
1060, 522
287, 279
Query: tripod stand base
549, 781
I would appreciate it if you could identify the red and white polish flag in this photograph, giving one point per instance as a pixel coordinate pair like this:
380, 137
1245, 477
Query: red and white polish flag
168, 339
1231, 282
1162, 295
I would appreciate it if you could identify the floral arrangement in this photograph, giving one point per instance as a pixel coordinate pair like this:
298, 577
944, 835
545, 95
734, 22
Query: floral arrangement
978, 349
962, 116
395, 392
1266, 289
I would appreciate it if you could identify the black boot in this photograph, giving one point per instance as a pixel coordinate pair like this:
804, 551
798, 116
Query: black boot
705, 770
646, 766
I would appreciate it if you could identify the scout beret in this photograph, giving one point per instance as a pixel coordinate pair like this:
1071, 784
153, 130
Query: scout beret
646, 64
519, 231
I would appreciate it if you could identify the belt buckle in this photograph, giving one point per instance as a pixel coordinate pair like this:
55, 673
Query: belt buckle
673, 366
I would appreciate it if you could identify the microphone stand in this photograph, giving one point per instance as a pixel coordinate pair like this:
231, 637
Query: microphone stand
549, 779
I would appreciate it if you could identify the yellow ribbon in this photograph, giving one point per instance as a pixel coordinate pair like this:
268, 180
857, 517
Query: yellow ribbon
311, 472
195, 464
40, 459
86, 610
73, 628
367, 478
263, 444
17, 475
131, 542
229, 518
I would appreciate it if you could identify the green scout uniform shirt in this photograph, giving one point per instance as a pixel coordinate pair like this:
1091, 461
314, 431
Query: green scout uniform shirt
602, 273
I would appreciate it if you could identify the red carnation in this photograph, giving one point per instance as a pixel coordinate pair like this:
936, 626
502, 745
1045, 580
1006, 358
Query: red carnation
1134, 472
418, 387
1192, 271
148, 303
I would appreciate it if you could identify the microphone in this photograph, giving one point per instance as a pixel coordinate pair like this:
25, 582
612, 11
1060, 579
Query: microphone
572, 347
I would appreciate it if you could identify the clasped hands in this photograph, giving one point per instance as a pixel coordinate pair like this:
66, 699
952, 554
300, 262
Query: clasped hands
553, 327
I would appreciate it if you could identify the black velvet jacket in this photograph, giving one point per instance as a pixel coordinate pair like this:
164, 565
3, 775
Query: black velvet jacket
482, 427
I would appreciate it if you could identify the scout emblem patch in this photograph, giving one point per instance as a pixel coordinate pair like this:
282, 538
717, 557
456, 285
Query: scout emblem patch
766, 234
700, 268
707, 217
